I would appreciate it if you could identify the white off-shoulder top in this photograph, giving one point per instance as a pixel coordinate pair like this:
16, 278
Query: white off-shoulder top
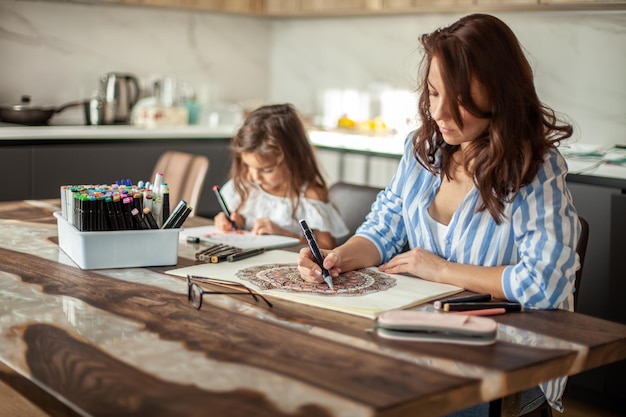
319, 215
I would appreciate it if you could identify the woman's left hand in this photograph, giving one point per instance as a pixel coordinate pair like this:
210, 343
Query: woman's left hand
418, 262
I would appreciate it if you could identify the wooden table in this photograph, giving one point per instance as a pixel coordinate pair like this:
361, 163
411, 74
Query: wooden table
126, 342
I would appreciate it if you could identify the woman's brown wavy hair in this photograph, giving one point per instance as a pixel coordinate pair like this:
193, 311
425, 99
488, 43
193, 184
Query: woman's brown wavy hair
276, 133
508, 154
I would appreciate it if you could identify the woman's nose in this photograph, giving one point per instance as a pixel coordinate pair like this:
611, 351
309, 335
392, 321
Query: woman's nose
440, 109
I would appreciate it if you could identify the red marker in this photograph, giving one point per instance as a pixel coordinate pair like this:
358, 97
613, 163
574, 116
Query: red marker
485, 312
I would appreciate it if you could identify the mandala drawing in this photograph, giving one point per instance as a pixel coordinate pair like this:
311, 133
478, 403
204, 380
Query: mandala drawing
285, 277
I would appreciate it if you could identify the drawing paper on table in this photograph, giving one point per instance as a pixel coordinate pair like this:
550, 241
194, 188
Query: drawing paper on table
242, 239
365, 292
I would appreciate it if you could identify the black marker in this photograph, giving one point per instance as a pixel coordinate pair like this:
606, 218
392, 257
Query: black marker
220, 199
316, 252
149, 218
462, 299
175, 216
111, 213
245, 254
508, 306
181, 219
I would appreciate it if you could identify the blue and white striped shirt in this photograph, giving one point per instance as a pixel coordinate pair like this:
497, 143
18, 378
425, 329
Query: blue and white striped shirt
536, 240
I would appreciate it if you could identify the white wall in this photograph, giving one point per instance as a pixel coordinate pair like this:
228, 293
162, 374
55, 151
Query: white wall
57, 51
579, 61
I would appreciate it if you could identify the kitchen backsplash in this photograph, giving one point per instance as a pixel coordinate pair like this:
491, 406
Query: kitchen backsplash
56, 53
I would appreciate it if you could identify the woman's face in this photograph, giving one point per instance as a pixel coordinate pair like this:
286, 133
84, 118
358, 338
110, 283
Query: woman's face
440, 109
268, 174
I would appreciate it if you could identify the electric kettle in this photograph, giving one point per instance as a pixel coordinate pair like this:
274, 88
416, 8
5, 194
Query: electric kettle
120, 92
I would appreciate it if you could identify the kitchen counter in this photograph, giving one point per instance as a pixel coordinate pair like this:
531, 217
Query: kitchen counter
587, 163
11, 132
585, 166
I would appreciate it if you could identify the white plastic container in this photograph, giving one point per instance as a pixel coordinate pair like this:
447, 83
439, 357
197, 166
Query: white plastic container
118, 249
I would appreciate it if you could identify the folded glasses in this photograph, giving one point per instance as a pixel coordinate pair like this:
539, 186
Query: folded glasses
195, 292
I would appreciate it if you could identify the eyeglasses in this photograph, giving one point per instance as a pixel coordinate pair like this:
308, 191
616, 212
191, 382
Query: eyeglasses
195, 292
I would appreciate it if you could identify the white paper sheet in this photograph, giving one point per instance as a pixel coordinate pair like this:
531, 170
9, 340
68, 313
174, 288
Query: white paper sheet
408, 291
239, 239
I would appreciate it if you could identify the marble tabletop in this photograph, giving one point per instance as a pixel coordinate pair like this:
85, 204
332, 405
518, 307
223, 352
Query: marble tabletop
128, 342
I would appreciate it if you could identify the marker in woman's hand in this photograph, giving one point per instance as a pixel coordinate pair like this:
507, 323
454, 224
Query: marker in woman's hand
317, 254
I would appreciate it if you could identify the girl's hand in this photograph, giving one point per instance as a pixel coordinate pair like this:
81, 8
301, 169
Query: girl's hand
265, 226
239, 220
221, 221
418, 262
310, 270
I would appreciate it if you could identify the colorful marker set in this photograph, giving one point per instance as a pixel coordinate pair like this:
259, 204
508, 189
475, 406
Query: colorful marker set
121, 206
222, 252
216, 253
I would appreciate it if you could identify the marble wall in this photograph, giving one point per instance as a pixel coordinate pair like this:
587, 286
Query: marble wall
56, 52
579, 61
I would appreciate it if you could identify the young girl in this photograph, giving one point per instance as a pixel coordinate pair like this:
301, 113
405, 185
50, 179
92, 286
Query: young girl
275, 180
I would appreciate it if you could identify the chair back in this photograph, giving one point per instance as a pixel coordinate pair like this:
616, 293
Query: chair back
581, 250
184, 174
353, 203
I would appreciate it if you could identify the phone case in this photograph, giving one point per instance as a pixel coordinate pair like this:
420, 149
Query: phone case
436, 327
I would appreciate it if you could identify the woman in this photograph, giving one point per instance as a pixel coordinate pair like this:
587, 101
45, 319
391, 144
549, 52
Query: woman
480, 193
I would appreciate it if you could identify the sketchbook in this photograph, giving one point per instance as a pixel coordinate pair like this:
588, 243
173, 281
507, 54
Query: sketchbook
242, 239
366, 292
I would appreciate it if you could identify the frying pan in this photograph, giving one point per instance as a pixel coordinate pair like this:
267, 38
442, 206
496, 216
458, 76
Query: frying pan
27, 114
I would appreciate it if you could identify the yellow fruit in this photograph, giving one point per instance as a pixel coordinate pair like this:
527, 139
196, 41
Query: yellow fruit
346, 122
379, 124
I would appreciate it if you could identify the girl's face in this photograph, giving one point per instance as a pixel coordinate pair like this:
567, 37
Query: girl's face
267, 173
440, 109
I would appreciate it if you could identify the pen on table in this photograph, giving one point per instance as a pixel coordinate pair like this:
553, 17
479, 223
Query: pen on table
220, 199
462, 299
223, 256
315, 249
485, 312
245, 254
207, 253
508, 306
214, 254
215, 248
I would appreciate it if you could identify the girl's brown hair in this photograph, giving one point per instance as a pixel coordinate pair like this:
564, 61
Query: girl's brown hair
508, 154
276, 133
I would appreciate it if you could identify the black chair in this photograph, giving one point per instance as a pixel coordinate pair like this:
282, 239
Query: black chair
544, 410
353, 203
581, 250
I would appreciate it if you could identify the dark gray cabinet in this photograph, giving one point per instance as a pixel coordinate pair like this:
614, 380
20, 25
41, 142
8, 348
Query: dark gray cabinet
15, 173
36, 171
603, 283
593, 202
